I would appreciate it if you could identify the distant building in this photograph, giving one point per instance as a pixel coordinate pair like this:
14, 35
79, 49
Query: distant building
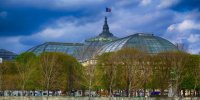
107, 42
7, 55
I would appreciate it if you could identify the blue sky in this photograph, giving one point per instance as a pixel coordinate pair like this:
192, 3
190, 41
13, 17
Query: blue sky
27, 23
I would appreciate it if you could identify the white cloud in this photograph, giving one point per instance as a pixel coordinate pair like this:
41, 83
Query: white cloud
184, 33
184, 26
13, 44
65, 31
188, 25
167, 3
194, 45
51, 33
171, 27
194, 38
145, 2
191, 40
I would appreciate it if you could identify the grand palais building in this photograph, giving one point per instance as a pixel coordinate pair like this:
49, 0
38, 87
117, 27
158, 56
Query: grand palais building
107, 42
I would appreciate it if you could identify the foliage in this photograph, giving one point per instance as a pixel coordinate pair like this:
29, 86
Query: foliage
59, 71
25, 66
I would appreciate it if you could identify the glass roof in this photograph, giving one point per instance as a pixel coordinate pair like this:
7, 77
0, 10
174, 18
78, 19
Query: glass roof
7, 55
141, 41
68, 48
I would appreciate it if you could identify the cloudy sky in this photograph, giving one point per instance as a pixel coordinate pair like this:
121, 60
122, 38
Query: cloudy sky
27, 23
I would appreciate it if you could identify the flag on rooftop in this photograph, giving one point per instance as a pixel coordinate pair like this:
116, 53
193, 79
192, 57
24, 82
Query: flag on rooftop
108, 9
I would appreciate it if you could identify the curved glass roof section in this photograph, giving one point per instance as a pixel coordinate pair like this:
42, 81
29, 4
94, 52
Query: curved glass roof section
89, 50
7, 55
68, 48
141, 41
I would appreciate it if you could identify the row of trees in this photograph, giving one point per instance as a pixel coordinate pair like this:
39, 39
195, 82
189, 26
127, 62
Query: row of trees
48, 71
128, 69
132, 70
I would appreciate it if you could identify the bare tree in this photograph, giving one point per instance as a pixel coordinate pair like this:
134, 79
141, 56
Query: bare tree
182, 47
195, 66
145, 70
24, 63
178, 62
87, 55
3, 70
49, 69
161, 71
107, 70
129, 59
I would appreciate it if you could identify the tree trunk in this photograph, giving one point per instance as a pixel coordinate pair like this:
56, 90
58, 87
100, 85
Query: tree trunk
110, 92
90, 85
129, 91
183, 92
33, 92
23, 91
83, 92
162, 92
47, 91
173, 90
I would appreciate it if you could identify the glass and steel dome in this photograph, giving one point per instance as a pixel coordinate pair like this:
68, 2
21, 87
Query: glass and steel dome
68, 48
107, 42
141, 41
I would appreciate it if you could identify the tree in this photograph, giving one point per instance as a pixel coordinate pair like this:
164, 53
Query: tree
177, 62
129, 59
193, 72
3, 70
87, 55
59, 71
107, 71
25, 63
89, 75
161, 71
72, 72
49, 70
10, 77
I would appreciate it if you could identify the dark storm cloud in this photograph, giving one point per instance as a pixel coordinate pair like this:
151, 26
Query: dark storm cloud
27, 21
24, 20
187, 5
